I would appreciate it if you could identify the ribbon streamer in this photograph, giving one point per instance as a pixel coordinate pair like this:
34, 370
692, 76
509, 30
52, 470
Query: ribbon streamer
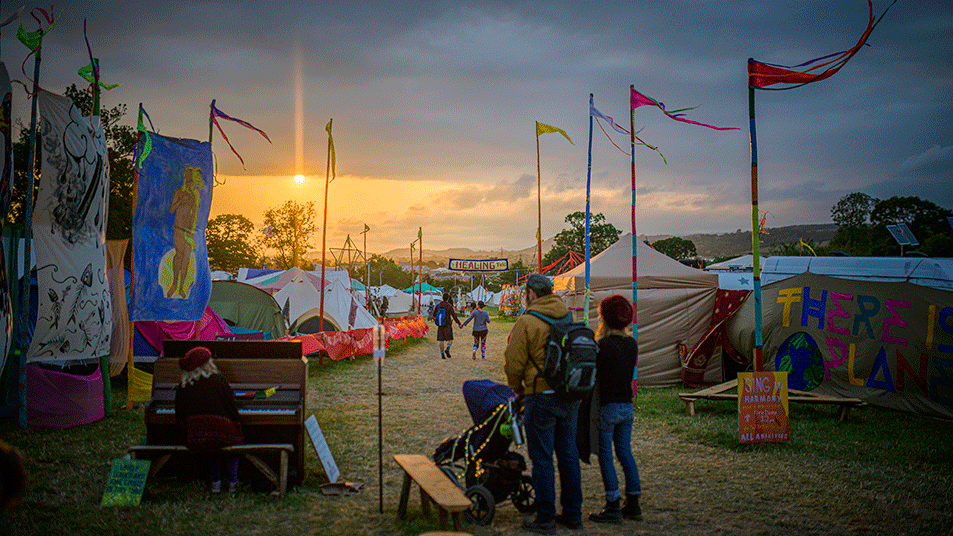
215, 113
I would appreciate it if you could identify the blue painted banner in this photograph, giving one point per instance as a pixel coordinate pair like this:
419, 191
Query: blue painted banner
174, 195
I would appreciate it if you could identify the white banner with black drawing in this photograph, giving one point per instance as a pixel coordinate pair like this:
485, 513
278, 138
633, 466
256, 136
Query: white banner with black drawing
74, 313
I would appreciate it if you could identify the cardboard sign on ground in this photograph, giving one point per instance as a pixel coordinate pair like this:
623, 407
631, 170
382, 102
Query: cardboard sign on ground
127, 480
322, 449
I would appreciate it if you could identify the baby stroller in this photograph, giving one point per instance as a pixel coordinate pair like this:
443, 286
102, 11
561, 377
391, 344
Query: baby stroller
480, 460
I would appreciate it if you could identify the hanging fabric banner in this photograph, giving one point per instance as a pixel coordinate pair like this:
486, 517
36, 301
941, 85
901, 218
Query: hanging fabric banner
172, 279
74, 309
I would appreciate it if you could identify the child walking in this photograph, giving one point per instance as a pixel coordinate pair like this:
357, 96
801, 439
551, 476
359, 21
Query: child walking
480, 320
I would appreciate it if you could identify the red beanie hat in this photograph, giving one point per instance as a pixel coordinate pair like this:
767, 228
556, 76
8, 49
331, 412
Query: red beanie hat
616, 311
195, 358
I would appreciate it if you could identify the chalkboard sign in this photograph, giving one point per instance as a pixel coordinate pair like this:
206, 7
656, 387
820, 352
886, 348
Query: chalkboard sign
127, 480
321, 447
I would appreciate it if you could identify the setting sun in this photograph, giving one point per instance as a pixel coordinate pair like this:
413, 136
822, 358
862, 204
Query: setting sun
299, 179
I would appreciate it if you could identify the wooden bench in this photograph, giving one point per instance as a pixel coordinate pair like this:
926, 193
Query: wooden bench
248, 451
435, 486
719, 392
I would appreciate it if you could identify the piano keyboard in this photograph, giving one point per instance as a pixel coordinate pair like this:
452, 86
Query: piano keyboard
241, 411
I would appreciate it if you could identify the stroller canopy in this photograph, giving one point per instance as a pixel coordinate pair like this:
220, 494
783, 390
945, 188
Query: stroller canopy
483, 396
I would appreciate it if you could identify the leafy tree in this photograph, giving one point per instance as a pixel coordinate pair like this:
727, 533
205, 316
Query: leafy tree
120, 141
288, 231
601, 236
230, 244
509, 277
386, 271
801, 248
851, 214
924, 218
676, 247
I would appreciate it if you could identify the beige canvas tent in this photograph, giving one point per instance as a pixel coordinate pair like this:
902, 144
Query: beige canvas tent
675, 304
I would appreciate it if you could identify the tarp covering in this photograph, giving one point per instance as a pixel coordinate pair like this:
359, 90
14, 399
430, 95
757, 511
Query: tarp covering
74, 313
208, 327
61, 400
119, 343
246, 306
889, 344
675, 305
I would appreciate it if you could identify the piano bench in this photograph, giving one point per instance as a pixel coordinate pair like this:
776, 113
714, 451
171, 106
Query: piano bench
249, 451
435, 486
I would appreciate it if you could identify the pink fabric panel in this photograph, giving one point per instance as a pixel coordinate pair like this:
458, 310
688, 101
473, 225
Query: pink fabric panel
210, 324
60, 400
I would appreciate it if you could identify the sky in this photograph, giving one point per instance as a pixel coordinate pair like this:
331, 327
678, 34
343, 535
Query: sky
434, 107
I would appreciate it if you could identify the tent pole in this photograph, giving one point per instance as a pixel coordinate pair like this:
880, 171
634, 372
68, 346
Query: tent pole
755, 249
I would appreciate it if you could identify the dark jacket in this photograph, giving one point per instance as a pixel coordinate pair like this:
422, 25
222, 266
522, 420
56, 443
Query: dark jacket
614, 367
206, 396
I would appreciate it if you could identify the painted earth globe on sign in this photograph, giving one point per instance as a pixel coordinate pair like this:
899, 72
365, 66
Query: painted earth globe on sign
801, 358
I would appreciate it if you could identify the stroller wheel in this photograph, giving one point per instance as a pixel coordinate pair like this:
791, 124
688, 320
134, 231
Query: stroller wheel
482, 508
524, 498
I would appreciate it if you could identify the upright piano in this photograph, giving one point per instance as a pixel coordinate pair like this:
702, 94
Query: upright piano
278, 418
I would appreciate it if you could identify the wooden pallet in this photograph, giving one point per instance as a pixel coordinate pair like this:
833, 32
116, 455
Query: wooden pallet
720, 392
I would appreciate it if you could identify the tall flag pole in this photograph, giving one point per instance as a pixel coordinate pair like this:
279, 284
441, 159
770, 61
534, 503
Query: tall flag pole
585, 304
138, 156
413, 282
635, 249
367, 271
37, 47
420, 293
542, 128
324, 227
760, 76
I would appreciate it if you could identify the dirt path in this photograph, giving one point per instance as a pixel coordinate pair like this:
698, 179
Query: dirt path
687, 488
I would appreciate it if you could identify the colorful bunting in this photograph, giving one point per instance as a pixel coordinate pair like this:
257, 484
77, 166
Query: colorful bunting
90, 75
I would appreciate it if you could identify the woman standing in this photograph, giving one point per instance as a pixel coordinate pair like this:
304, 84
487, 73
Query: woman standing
618, 355
205, 409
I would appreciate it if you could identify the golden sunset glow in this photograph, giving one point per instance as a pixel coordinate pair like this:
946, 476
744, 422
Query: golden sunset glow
299, 179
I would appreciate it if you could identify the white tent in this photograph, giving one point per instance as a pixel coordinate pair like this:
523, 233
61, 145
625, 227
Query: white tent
297, 293
675, 304
744, 263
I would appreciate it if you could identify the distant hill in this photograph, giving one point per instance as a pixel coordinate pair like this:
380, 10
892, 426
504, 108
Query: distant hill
707, 245
739, 242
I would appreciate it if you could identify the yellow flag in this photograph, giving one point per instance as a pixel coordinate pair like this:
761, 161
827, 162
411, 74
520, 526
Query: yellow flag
537, 234
366, 228
331, 147
420, 232
543, 128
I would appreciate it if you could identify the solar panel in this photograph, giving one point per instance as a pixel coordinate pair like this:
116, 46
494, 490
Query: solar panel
898, 235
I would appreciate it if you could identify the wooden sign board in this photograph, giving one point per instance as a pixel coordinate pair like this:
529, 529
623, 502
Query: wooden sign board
763, 407
127, 480
322, 449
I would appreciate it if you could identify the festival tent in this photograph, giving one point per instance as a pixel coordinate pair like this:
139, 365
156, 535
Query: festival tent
874, 328
222, 275
297, 294
675, 305
744, 263
247, 306
399, 303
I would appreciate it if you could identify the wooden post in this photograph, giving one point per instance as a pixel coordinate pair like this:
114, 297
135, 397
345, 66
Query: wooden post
324, 237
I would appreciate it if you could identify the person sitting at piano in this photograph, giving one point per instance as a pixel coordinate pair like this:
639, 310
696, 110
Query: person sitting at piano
205, 410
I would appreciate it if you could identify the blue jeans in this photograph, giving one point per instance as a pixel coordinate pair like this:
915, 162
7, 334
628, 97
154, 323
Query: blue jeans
551, 427
615, 428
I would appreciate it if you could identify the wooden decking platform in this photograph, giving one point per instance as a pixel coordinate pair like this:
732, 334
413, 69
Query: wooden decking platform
720, 392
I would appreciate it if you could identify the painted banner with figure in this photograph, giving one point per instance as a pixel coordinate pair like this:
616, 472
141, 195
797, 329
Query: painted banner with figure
74, 309
172, 279
890, 344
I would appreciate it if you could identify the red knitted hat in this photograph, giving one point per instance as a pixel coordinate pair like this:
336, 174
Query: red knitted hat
195, 358
616, 311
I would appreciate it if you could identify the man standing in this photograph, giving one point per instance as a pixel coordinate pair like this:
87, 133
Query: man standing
442, 315
550, 421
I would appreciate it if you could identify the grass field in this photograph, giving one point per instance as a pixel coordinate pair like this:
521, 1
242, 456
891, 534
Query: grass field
883, 472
